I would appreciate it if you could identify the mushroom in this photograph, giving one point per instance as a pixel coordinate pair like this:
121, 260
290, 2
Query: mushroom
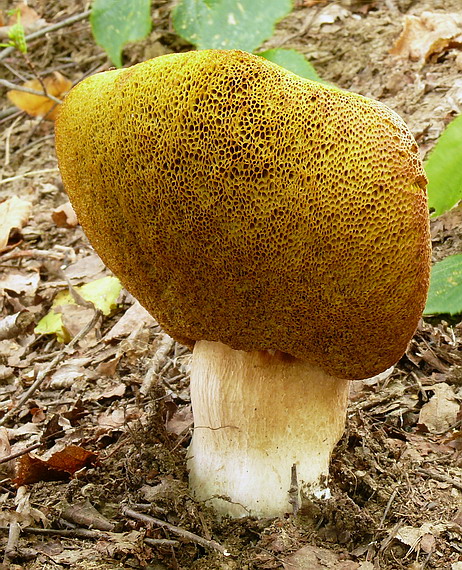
278, 226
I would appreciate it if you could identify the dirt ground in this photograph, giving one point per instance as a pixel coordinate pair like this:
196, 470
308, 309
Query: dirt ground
108, 417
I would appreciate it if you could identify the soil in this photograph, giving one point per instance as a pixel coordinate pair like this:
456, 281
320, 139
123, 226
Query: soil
115, 403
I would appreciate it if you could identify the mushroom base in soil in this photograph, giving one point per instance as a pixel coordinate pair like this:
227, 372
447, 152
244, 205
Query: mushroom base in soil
265, 425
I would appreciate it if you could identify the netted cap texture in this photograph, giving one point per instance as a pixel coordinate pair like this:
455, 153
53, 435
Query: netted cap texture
240, 203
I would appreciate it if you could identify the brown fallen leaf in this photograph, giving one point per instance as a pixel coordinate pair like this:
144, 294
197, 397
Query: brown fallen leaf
180, 421
316, 558
440, 412
6, 469
133, 317
40, 105
61, 466
84, 513
428, 35
14, 215
25, 283
64, 216
422, 537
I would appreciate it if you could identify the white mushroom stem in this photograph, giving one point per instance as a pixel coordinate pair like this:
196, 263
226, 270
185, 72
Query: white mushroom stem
265, 425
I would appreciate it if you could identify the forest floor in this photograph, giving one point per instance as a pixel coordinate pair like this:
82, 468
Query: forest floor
102, 425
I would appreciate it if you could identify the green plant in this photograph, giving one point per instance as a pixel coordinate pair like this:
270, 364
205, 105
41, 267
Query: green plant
233, 24
16, 34
207, 24
115, 23
444, 171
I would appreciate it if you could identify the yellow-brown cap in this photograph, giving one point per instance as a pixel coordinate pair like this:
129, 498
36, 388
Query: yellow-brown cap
243, 204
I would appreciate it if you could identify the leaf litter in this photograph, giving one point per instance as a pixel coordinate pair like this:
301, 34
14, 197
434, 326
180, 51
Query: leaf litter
108, 414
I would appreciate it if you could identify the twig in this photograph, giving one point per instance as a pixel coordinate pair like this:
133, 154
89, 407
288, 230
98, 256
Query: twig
387, 508
34, 253
161, 542
71, 533
19, 453
15, 87
9, 130
44, 31
211, 544
163, 348
87, 534
14, 530
31, 173
391, 535
43, 373
440, 477
449, 428
33, 143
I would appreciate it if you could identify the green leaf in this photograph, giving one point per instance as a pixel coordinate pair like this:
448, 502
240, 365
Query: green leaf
16, 33
52, 323
444, 169
292, 60
115, 23
445, 295
228, 24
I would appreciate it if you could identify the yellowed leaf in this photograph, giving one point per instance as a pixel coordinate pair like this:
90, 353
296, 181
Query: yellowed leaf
40, 105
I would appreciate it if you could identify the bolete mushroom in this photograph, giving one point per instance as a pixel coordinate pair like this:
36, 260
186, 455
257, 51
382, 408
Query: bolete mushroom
277, 225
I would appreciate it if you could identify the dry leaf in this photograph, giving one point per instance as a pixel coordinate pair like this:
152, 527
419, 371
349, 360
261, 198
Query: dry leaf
6, 469
423, 537
428, 35
114, 391
21, 283
84, 513
440, 412
40, 105
180, 421
64, 216
109, 367
59, 467
116, 419
66, 375
86, 269
132, 318
14, 215
316, 558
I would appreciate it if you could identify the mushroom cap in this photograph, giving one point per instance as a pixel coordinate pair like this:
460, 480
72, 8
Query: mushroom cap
243, 204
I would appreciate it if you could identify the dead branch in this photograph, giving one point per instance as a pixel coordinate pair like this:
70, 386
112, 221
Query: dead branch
44, 31
211, 544
15, 87
440, 477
